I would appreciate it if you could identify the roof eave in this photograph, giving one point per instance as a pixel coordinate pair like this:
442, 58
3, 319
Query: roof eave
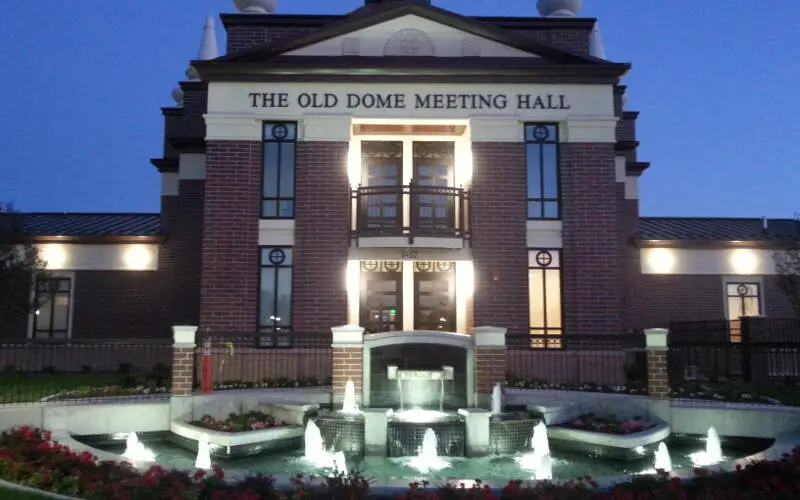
96, 240
712, 244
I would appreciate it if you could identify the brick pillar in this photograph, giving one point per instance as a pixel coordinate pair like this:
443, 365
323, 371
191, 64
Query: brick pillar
490, 360
657, 374
183, 359
348, 360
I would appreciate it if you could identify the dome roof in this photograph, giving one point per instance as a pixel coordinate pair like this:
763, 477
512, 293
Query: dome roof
559, 8
256, 6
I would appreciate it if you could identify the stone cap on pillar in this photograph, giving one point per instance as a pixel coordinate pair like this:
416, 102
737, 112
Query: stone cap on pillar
656, 339
491, 337
347, 336
184, 336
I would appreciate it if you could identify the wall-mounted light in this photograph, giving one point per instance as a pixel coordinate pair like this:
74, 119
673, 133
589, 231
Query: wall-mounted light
138, 257
744, 261
54, 256
661, 260
465, 278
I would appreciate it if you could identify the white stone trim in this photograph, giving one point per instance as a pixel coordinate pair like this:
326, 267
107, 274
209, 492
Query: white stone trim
184, 336
77, 257
276, 232
590, 129
493, 337
323, 128
628, 441
222, 127
192, 166
656, 339
402, 241
169, 184
545, 234
218, 439
384, 253
347, 336
71, 313
476, 421
496, 130
631, 182
720, 261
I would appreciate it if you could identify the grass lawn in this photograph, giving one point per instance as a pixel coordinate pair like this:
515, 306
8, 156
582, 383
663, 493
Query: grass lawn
30, 387
18, 495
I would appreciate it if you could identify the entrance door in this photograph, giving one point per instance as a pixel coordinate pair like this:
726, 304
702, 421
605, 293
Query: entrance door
435, 296
433, 205
381, 308
380, 195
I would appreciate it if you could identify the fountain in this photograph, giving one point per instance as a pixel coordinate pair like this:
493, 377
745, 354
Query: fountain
713, 452
539, 460
316, 454
428, 458
349, 406
663, 462
203, 460
339, 463
135, 450
497, 399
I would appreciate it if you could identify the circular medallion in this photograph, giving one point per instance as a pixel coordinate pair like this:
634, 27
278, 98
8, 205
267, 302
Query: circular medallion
280, 132
541, 133
544, 258
277, 256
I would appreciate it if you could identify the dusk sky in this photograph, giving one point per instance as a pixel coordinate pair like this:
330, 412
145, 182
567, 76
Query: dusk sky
716, 82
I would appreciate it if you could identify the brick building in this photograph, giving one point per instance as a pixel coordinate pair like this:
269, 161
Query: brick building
399, 167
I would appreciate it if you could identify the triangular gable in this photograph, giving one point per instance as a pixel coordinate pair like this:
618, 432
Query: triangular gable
410, 35
376, 15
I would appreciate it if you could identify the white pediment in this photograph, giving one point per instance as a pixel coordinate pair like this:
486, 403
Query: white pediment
410, 35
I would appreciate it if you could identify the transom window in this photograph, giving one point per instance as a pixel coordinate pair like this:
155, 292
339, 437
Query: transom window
544, 290
541, 152
277, 185
51, 319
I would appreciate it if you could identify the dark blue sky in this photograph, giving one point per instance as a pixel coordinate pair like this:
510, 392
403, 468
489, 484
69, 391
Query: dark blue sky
716, 82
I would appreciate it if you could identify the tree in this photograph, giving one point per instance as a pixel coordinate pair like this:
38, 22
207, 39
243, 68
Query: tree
20, 267
787, 265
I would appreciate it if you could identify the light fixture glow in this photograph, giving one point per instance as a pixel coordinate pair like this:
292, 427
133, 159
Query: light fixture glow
352, 283
54, 256
354, 163
465, 278
744, 261
661, 260
137, 257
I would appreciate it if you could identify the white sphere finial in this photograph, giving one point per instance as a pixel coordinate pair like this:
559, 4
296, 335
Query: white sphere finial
177, 96
256, 6
559, 8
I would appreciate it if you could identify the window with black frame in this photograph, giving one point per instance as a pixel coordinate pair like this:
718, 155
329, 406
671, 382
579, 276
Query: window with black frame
743, 299
275, 300
380, 195
544, 294
51, 318
381, 307
435, 296
542, 158
433, 197
278, 163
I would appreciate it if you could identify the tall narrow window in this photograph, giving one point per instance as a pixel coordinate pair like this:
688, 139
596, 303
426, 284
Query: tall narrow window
541, 149
381, 295
544, 292
435, 296
742, 299
275, 301
277, 184
51, 319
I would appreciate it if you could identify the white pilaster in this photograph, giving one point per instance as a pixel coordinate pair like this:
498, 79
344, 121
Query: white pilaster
476, 421
376, 422
169, 184
347, 336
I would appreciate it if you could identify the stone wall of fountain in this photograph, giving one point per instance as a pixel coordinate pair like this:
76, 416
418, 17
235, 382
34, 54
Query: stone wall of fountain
406, 439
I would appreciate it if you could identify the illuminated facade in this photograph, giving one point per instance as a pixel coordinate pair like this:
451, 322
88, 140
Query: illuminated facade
400, 167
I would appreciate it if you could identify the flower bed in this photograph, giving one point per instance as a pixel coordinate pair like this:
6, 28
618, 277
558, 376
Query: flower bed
107, 392
281, 383
253, 420
723, 393
28, 456
609, 424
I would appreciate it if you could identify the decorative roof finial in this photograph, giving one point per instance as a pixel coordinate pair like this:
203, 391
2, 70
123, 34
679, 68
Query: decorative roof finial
559, 8
596, 47
208, 43
256, 6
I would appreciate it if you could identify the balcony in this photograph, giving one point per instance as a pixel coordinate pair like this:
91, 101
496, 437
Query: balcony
411, 215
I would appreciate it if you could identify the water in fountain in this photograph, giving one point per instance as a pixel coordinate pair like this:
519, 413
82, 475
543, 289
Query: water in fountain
339, 463
497, 399
428, 458
316, 454
539, 459
203, 460
135, 450
349, 403
663, 462
713, 452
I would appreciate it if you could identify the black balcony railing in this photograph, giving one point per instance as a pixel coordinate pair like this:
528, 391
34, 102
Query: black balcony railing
411, 211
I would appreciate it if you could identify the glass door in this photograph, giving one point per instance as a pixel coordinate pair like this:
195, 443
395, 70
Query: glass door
381, 308
433, 209
435, 296
380, 195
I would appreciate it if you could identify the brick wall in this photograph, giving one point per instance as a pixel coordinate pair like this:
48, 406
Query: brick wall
490, 368
499, 241
695, 298
229, 282
347, 365
119, 304
319, 295
242, 38
180, 256
570, 39
592, 272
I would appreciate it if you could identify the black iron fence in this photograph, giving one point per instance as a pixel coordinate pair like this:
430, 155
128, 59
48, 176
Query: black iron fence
756, 350
413, 210
574, 360
255, 360
35, 370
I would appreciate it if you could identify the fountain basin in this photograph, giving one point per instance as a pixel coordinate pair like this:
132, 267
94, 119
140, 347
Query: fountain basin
615, 446
555, 412
342, 431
